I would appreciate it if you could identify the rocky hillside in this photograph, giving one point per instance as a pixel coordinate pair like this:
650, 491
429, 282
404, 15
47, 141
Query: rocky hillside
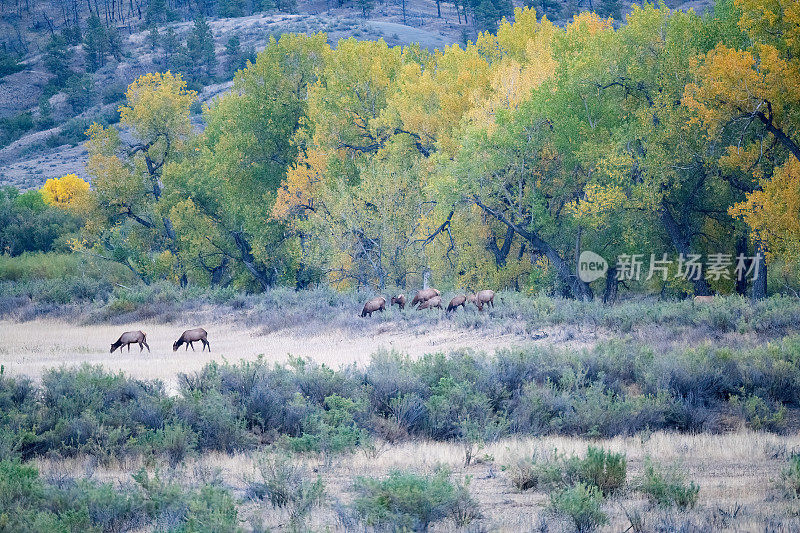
44, 118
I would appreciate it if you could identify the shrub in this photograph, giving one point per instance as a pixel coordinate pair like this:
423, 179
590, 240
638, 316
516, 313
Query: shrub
600, 468
287, 485
28, 504
759, 414
175, 442
546, 472
667, 487
603, 469
176, 508
217, 421
332, 429
581, 503
406, 500
790, 477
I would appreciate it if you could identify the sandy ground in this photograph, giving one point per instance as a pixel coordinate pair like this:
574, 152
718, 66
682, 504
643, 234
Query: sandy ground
31, 348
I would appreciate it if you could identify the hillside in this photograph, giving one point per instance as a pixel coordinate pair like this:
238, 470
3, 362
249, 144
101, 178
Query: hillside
44, 122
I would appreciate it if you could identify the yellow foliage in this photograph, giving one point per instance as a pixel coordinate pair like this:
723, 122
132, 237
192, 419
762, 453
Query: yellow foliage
774, 212
68, 192
157, 104
299, 188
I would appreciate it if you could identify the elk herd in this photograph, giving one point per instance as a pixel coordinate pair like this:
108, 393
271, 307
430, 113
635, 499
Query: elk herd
424, 299
430, 299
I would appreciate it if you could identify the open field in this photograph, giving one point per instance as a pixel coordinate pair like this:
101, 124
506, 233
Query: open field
502, 405
31, 348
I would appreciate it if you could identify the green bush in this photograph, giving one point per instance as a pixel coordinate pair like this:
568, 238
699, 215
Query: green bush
332, 429
12, 128
287, 485
790, 477
582, 504
173, 507
667, 487
603, 469
600, 468
409, 501
760, 414
27, 504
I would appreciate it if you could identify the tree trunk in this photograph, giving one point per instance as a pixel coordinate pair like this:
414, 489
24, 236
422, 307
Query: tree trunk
247, 259
759, 270
500, 253
741, 249
580, 289
612, 286
681, 243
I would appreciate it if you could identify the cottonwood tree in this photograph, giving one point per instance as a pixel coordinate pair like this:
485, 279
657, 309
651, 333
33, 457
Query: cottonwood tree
127, 221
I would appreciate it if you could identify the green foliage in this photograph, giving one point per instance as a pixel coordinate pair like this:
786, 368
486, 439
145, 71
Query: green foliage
27, 504
287, 485
27, 224
100, 42
9, 63
58, 57
600, 469
200, 48
410, 501
14, 127
667, 486
760, 414
790, 477
581, 503
603, 469
204, 509
80, 92
332, 429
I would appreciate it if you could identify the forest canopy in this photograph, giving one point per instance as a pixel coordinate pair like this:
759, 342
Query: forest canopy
669, 137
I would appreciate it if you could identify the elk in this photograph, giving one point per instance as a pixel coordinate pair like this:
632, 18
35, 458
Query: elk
131, 337
482, 298
424, 295
431, 303
703, 299
456, 301
190, 336
375, 304
400, 300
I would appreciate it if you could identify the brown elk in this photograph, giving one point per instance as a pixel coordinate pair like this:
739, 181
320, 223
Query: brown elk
424, 295
703, 299
482, 298
400, 300
131, 337
375, 304
190, 336
456, 301
431, 303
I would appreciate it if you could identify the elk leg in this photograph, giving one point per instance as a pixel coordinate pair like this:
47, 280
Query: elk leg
129, 347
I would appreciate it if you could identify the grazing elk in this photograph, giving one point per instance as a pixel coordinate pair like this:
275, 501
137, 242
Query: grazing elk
131, 337
703, 299
456, 301
482, 298
424, 295
400, 300
375, 304
431, 303
190, 336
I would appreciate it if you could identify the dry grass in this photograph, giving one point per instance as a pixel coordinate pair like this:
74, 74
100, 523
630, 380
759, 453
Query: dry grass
31, 348
734, 471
